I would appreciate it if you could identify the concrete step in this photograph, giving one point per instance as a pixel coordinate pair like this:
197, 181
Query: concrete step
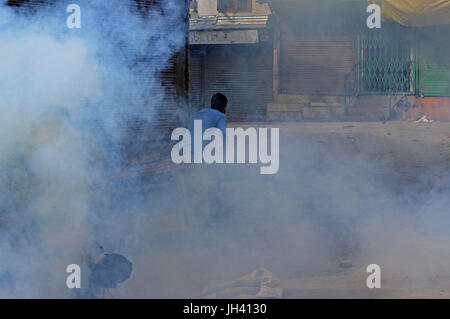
368, 111
327, 99
309, 98
292, 99
284, 112
284, 107
299, 111
318, 113
304, 107
324, 104
365, 118
284, 115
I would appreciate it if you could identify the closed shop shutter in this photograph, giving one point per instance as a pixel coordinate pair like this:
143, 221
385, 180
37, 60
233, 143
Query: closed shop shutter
434, 79
172, 81
434, 62
244, 74
196, 100
315, 63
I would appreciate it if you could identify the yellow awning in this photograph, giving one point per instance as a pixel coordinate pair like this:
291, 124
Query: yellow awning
415, 13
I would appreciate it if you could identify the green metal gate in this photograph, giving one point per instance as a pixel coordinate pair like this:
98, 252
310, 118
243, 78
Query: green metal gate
387, 58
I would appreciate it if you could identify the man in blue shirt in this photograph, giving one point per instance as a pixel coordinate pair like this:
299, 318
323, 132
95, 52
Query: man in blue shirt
214, 116
209, 205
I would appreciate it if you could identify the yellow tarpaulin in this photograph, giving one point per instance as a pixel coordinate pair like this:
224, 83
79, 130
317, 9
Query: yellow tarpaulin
415, 13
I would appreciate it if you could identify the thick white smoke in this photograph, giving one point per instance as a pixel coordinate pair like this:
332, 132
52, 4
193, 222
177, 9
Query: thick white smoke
65, 96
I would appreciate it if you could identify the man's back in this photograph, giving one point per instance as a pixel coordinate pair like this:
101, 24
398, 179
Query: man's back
210, 118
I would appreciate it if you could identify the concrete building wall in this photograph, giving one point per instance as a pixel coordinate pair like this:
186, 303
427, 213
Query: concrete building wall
435, 108
209, 7
260, 9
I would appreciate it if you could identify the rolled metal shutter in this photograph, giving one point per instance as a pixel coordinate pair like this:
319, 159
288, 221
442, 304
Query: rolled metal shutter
196, 83
434, 79
434, 62
244, 74
174, 86
315, 63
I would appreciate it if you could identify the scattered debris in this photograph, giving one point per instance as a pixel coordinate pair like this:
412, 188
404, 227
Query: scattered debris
260, 283
424, 119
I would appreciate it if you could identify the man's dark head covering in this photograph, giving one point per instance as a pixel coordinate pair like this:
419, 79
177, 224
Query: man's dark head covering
219, 101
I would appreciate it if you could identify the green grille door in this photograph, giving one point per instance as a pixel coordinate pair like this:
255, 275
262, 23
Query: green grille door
387, 60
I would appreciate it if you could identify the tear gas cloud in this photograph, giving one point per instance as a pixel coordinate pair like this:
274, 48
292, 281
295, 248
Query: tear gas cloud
64, 98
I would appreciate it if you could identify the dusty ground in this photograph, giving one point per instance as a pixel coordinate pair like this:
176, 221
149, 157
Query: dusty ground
412, 150
408, 150
406, 145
